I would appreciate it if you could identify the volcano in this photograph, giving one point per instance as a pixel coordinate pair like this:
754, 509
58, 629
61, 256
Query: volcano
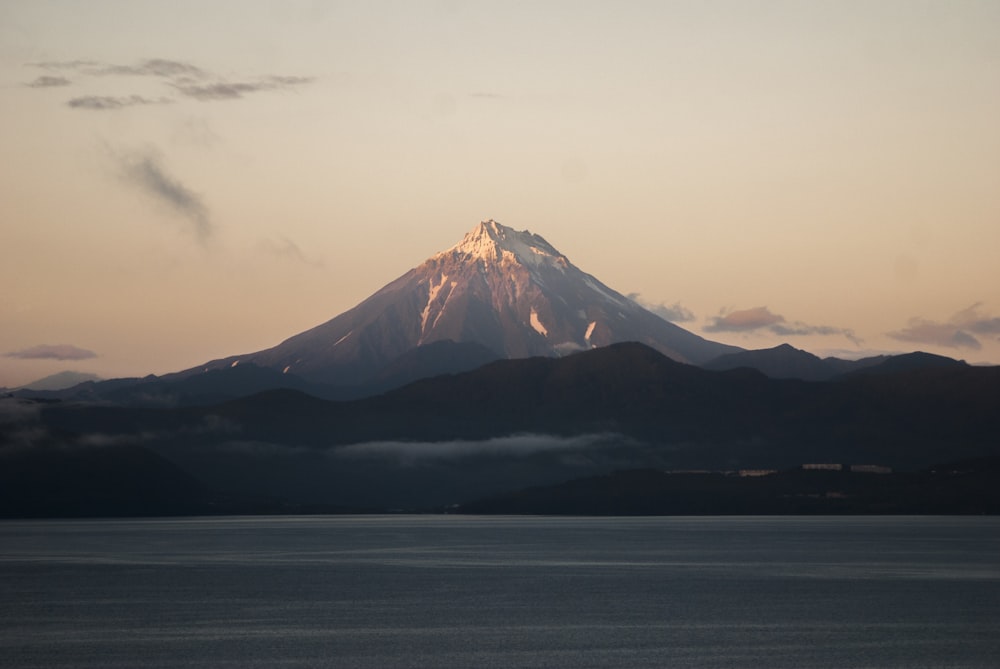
498, 293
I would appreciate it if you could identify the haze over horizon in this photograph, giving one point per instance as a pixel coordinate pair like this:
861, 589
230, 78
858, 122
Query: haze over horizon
185, 181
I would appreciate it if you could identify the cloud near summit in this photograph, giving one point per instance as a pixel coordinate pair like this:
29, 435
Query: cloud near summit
674, 313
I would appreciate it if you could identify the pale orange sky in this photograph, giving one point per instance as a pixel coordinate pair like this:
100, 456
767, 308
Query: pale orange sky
184, 180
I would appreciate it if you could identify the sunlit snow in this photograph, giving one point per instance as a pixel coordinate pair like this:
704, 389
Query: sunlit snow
537, 324
492, 242
440, 312
431, 295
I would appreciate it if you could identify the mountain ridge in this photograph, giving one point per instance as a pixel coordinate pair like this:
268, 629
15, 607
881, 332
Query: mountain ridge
541, 420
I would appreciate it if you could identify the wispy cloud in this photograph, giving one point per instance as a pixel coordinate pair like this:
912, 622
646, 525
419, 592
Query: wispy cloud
974, 320
195, 131
237, 89
187, 79
744, 320
105, 102
285, 248
78, 64
52, 352
48, 81
144, 169
759, 319
520, 445
922, 331
799, 328
154, 67
957, 332
675, 313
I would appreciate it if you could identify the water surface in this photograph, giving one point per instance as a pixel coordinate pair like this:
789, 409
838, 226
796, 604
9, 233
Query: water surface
452, 591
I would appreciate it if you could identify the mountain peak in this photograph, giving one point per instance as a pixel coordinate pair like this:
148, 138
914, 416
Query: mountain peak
507, 290
491, 242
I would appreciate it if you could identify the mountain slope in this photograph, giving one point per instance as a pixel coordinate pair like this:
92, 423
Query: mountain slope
508, 291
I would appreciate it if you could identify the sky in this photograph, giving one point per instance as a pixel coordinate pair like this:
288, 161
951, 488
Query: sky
183, 181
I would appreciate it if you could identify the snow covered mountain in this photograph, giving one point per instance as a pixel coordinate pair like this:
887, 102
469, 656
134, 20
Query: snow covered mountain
506, 290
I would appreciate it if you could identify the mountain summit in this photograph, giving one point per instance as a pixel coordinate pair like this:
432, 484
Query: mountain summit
501, 289
490, 242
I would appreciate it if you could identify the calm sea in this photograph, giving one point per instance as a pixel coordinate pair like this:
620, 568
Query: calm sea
448, 591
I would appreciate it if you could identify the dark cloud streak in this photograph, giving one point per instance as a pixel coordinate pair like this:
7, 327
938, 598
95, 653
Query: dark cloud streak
106, 102
77, 65
47, 81
154, 67
237, 89
145, 171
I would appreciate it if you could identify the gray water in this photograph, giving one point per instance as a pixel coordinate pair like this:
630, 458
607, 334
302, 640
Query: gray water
447, 591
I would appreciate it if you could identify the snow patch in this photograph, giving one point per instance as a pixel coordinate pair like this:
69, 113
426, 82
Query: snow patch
343, 338
590, 331
444, 306
431, 295
285, 370
597, 289
537, 324
235, 362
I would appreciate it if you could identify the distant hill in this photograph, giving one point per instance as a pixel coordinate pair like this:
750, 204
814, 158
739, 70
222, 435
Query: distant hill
539, 421
787, 362
59, 381
780, 362
909, 362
